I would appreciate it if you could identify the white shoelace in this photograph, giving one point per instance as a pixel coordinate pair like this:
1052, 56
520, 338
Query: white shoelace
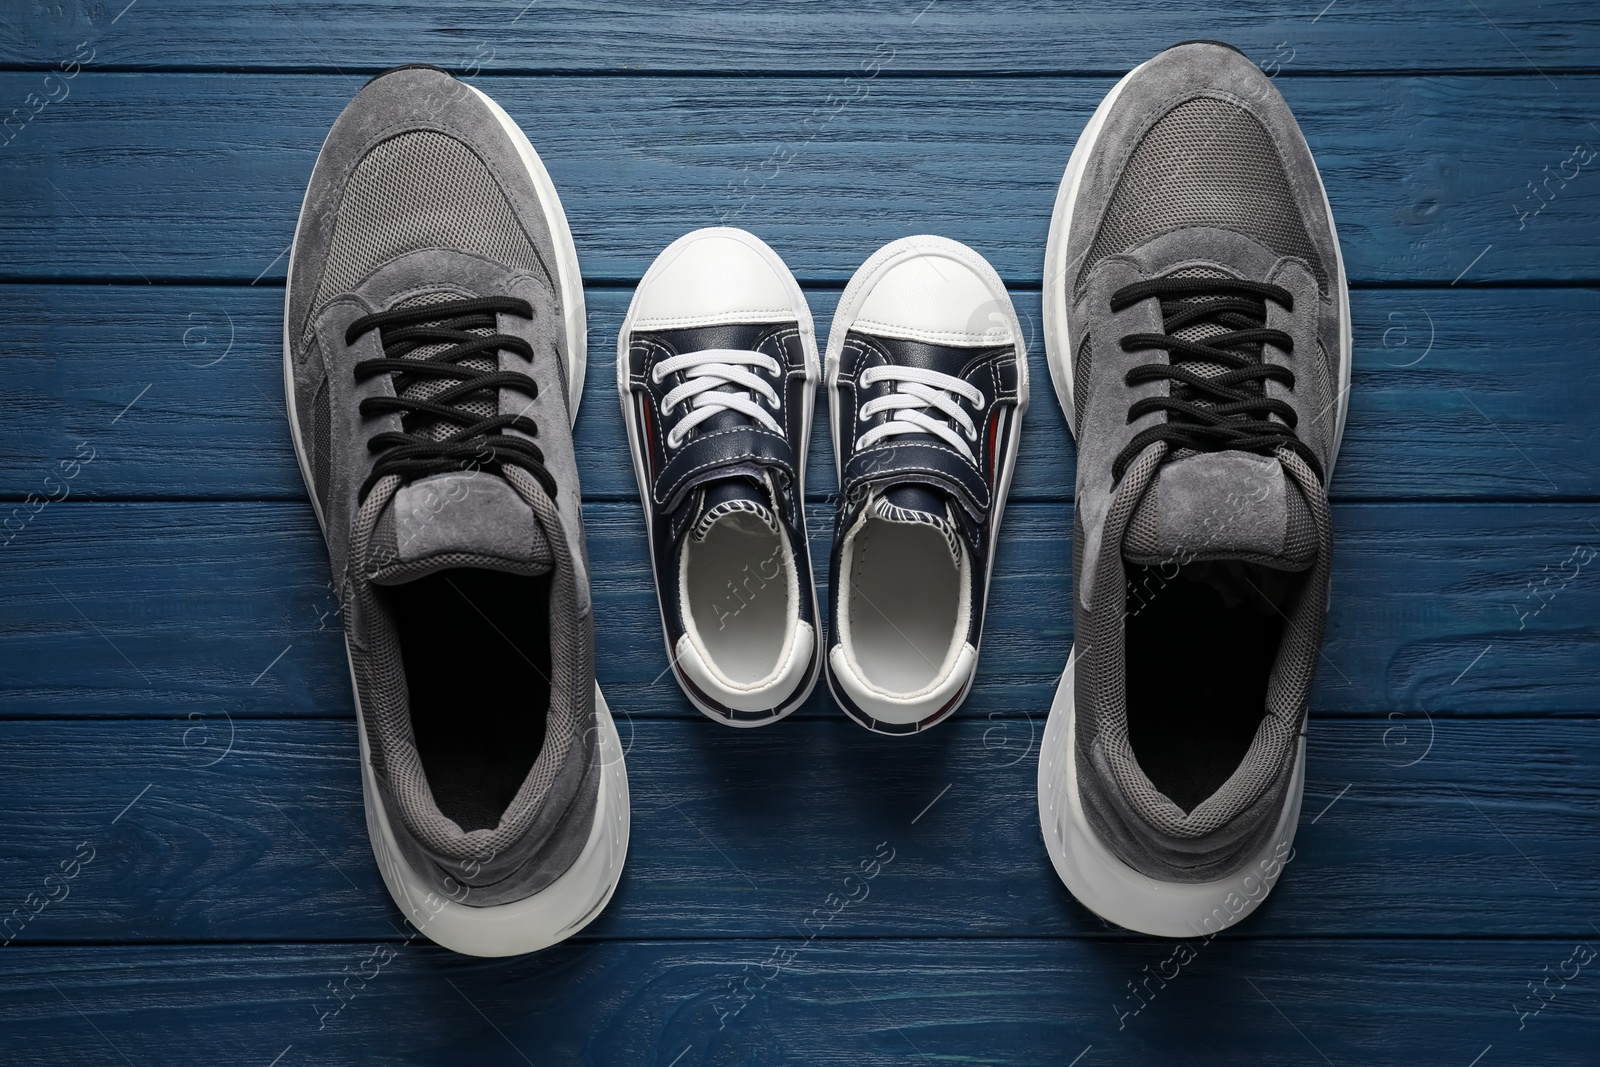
918, 391
707, 374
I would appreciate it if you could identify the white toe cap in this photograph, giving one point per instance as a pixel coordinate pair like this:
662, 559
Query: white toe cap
714, 276
936, 297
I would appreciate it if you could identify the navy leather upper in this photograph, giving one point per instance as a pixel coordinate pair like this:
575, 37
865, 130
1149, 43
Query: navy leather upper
923, 459
727, 445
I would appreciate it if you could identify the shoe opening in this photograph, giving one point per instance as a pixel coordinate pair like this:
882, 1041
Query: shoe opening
1201, 643
475, 645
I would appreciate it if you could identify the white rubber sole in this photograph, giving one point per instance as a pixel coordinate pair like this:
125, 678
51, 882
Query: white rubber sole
1057, 338
577, 322
844, 317
1118, 893
808, 343
1053, 311
570, 902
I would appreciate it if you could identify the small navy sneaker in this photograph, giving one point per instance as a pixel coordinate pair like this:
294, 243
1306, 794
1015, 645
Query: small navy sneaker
927, 385
717, 369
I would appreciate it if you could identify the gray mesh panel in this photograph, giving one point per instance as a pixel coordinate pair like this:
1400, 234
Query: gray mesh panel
321, 442
482, 404
419, 190
1300, 530
1080, 383
1325, 425
1144, 536
1207, 162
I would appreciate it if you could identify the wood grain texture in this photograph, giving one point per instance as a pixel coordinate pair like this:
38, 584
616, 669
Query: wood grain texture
194, 176
793, 35
1036, 1001
252, 830
1456, 394
167, 608
173, 687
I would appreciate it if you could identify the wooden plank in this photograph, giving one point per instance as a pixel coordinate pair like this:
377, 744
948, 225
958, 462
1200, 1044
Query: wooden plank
195, 176
1276, 1003
1437, 409
791, 35
167, 608
210, 829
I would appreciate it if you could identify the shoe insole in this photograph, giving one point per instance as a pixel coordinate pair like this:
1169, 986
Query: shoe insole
903, 597
476, 650
738, 584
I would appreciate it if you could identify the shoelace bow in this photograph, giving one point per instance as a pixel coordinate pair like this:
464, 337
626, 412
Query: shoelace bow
917, 392
478, 438
717, 379
1212, 412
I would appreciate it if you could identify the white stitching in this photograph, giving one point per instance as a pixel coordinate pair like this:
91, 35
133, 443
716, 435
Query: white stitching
784, 332
691, 472
898, 332
650, 343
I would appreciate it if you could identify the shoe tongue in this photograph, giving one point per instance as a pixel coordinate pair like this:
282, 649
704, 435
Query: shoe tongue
1222, 506
483, 404
745, 494
920, 505
459, 519
1204, 330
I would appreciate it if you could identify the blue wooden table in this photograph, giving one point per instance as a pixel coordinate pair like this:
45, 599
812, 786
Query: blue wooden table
184, 870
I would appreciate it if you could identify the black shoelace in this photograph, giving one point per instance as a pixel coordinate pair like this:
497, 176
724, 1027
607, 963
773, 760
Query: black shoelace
1212, 412
478, 440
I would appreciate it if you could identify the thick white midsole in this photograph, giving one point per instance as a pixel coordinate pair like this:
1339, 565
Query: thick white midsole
1053, 310
808, 344
1118, 893
577, 323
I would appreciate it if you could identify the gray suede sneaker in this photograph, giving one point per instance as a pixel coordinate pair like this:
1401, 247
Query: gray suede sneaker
1197, 327
433, 354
